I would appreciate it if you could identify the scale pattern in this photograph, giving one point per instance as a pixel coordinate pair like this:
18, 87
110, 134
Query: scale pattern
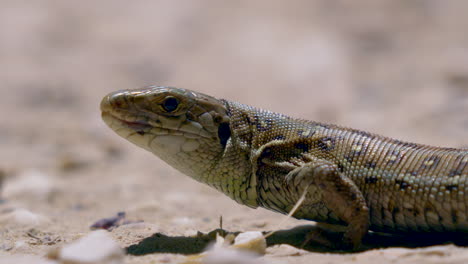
261, 158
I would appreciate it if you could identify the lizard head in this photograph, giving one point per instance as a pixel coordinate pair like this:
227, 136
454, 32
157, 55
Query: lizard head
188, 130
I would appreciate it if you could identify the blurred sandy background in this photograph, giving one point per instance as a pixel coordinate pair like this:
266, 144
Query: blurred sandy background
396, 67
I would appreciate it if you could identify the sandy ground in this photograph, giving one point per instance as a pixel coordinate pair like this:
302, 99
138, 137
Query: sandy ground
396, 67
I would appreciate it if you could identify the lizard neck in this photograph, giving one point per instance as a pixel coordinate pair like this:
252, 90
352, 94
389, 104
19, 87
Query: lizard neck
232, 172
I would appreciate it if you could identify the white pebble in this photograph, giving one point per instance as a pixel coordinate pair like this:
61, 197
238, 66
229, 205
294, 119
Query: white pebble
21, 217
252, 241
247, 237
97, 247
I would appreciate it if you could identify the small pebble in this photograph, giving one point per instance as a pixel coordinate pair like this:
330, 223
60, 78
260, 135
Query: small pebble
96, 247
110, 222
21, 217
284, 250
252, 241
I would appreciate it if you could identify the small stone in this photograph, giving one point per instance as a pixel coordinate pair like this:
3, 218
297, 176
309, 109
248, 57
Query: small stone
96, 247
109, 223
286, 251
252, 241
21, 217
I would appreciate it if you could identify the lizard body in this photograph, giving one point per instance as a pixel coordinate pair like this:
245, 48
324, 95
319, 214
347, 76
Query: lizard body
264, 159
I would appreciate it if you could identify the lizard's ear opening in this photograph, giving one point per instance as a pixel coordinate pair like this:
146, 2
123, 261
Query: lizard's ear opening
224, 133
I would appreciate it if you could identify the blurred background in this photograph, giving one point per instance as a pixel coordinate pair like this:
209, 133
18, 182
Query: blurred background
396, 67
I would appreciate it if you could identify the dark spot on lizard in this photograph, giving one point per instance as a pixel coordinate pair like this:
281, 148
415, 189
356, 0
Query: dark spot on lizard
407, 144
370, 165
326, 143
302, 146
460, 166
454, 216
394, 157
357, 149
323, 126
190, 116
371, 180
266, 153
364, 134
263, 124
402, 184
451, 187
241, 120
340, 167
141, 133
411, 145
428, 208
349, 158
217, 119
279, 137
454, 173
306, 133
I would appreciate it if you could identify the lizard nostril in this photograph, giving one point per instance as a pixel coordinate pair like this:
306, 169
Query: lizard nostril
115, 100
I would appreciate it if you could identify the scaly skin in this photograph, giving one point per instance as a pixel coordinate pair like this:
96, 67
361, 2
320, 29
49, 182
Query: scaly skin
260, 158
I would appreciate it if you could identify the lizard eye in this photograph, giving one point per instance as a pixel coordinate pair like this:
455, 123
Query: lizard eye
224, 133
170, 104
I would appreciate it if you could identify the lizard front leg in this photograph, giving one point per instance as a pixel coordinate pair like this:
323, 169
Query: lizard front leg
339, 194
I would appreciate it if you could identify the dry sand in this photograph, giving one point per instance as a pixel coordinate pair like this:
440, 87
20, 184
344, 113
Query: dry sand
398, 68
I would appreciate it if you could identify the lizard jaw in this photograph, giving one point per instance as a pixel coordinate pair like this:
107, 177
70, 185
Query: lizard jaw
138, 126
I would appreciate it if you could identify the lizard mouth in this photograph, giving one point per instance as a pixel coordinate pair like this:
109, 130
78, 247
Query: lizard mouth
137, 125
143, 127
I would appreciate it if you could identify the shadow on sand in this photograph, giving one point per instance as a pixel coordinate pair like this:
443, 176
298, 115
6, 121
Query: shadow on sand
160, 243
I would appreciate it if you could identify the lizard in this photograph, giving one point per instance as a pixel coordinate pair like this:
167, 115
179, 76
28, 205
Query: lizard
355, 179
